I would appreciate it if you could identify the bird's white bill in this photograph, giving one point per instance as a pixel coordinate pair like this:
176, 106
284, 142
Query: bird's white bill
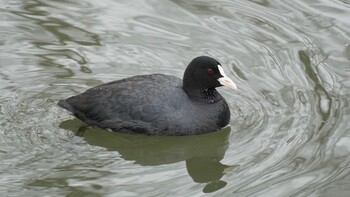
224, 80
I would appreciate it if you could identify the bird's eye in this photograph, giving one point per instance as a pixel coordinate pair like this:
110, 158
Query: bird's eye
210, 71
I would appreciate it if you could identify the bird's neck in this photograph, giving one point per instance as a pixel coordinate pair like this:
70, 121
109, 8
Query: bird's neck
209, 95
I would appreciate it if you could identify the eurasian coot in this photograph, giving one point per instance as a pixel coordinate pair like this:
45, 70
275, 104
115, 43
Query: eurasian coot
158, 104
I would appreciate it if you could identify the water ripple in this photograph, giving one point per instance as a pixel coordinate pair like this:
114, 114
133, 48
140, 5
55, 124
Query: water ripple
289, 127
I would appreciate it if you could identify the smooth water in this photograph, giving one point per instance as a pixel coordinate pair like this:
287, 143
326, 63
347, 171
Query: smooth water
289, 133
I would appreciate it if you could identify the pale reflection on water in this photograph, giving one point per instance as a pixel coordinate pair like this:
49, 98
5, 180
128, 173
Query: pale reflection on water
289, 133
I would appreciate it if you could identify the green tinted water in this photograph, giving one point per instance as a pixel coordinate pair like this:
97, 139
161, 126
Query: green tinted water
289, 131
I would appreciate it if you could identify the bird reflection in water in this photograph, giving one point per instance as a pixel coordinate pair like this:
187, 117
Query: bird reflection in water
202, 153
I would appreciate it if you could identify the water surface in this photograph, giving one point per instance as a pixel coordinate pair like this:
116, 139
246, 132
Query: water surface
289, 131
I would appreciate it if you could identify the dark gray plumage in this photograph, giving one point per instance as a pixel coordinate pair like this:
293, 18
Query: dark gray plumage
158, 104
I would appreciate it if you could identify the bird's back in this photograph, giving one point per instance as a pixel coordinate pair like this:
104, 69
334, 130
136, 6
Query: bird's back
144, 98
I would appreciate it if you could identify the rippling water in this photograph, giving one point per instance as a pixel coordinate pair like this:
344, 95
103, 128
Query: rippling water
289, 133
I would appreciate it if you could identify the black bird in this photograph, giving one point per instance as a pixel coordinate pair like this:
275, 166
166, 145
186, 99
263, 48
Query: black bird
158, 104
